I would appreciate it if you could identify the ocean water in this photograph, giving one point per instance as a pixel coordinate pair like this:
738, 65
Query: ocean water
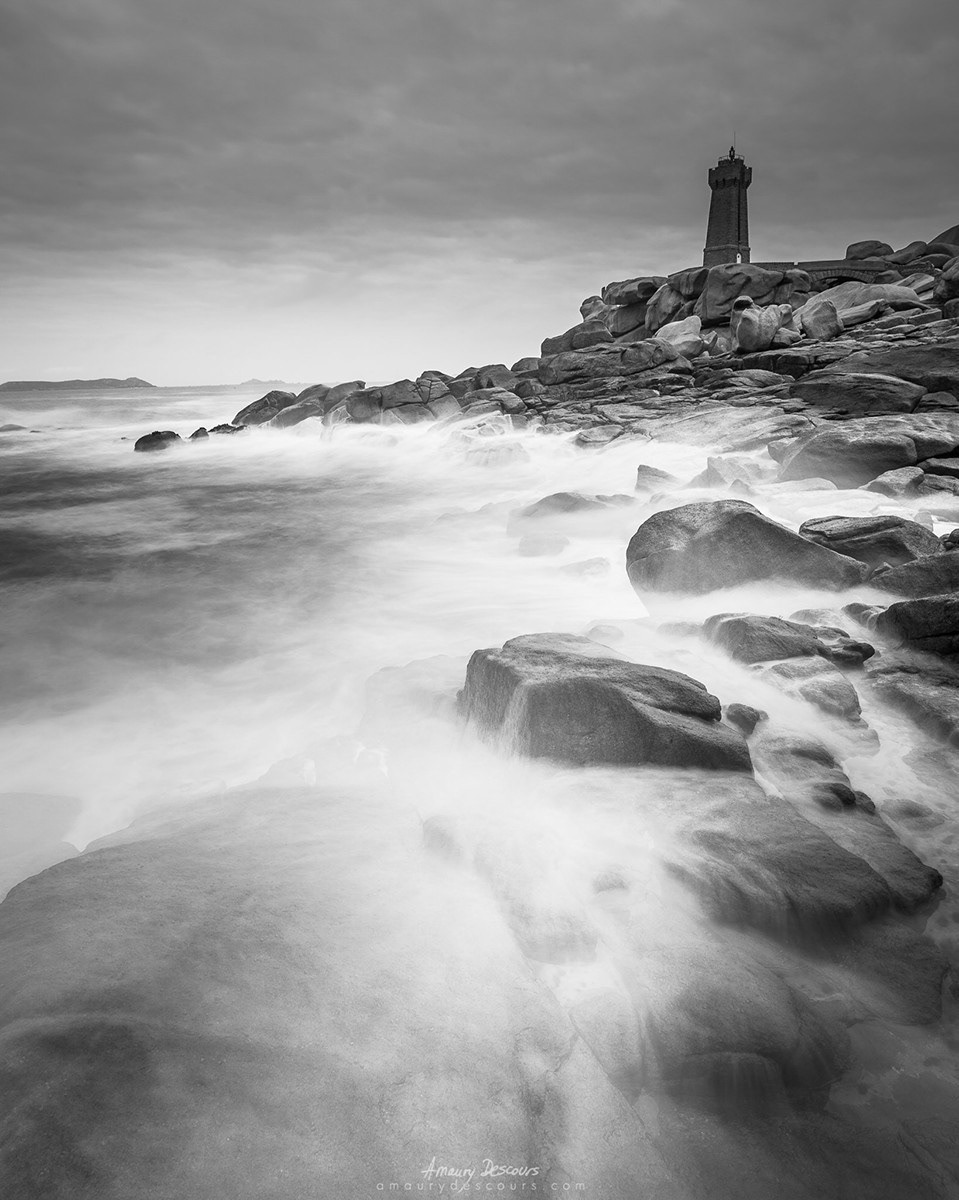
179, 624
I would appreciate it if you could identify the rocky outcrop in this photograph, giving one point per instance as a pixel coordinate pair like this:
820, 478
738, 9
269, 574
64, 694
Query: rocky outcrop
567, 698
700, 548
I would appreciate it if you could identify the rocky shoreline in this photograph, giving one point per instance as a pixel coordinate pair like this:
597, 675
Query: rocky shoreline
715, 948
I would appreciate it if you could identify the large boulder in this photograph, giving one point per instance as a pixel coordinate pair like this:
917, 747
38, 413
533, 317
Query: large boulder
931, 623
664, 306
632, 291
854, 452
867, 249
585, 334
949, 236
295, 414
690, 282
822, 322
625, 318
684, 336
567, 698
341, 392
700, 548
726, 283
859, 393
907, 254
947, 286
874, 540
852, 293
754, 327
264, 409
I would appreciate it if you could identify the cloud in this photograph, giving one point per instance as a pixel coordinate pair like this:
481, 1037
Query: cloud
346, 139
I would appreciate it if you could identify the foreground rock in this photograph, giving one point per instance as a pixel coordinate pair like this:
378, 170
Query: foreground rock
567, 698
700, 548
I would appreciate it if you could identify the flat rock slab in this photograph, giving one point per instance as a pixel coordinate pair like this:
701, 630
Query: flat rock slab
699, 548
567, 698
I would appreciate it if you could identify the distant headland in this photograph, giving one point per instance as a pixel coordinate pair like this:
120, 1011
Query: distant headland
45, 385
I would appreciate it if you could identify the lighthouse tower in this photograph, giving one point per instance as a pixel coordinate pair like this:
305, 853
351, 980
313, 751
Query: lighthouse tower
727, 235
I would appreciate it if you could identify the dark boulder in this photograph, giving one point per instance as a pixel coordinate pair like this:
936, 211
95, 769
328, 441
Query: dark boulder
931, 623
568, 698
159, 439
227, 430
873, 540
744, 717
264, 409
699, 548
724, 284
198, 435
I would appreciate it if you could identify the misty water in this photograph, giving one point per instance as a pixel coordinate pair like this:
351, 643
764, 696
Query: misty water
179, 626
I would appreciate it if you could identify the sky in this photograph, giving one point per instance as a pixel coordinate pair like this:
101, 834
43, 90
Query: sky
204, 191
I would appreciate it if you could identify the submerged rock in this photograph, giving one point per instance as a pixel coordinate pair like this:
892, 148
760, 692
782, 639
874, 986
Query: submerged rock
700, 548
567, 698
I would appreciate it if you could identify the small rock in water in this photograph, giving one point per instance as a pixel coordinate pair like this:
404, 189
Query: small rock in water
199, 434
744, 716
159, 439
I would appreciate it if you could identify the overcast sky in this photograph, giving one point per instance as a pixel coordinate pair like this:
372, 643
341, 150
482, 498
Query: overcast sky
207, 190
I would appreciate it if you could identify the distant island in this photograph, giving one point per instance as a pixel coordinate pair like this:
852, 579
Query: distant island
44, 385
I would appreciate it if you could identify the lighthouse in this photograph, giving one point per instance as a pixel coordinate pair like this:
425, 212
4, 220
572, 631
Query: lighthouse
727, 234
